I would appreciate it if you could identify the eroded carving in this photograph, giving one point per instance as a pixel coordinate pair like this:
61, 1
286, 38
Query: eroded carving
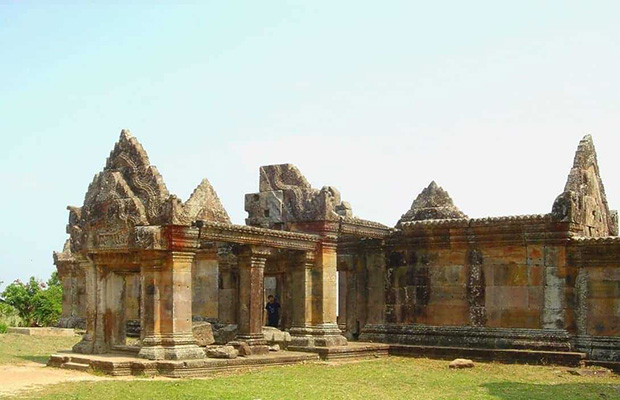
432, 204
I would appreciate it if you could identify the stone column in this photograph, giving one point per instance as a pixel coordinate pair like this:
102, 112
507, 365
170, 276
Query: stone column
113, 307
375, 262
228, 307
301, 298
205, 287
167, 308
86, 345
69, 296
251, 292
320, 291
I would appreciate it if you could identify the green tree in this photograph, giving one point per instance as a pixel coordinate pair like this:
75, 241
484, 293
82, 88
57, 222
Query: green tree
47, 306
37, 303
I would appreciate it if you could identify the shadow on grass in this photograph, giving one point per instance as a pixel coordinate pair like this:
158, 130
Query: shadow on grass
563, 391
36, 359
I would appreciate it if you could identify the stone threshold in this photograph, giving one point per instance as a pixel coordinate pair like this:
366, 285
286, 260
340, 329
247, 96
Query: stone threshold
123, 364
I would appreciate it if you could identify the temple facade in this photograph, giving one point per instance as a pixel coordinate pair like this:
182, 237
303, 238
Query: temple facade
140, 262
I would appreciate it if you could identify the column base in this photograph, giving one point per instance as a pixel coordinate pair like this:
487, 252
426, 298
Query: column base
182, 352
84, 346
256, 342
327, 335
181, 347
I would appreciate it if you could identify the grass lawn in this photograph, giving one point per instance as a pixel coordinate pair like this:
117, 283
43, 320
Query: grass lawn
18, 349
393, 378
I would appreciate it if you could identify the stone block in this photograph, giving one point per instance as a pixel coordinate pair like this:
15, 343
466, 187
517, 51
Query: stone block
461, 363
225, 334
203, 333
535, 275
221, 352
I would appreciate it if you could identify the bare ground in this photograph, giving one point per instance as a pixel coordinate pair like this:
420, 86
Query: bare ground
16, 379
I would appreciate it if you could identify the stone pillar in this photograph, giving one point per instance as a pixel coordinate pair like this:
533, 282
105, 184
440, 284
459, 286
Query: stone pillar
301, 296
69, 292
205, 291
86, 345
167, 308
228, 306
321, 328
375, 263
251, 293
113, 306
342, 300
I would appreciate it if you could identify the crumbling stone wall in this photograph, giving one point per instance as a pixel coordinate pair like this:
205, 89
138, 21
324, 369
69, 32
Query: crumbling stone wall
544, 281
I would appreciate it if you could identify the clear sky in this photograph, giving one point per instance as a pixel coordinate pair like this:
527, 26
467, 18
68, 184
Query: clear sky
489, 99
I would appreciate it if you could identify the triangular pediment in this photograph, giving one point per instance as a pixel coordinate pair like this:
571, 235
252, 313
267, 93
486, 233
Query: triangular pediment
204, 204
432, 203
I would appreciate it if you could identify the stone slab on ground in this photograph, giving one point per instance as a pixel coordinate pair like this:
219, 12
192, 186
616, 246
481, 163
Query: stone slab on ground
43, 331
118, 364
461, 363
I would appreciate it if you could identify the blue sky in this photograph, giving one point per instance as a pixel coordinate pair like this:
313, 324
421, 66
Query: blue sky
489, 99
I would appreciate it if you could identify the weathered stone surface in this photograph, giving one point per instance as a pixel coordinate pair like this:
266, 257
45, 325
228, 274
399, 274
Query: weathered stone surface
432, 203
225, 334
275, 347
203, 333
275, 336
538, 282
243, 348
221, 352
584, 201
204, 204
286, 196
42, 331
461, 363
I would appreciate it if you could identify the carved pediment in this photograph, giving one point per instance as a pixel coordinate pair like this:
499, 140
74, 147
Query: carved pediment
204, 204
130, 159
110, 211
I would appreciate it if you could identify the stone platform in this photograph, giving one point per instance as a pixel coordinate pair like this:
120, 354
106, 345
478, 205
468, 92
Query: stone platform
123, 364
43, 331
508, 356
353, 351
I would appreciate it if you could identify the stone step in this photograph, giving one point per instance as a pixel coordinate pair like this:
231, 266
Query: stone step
509, 356
76, 366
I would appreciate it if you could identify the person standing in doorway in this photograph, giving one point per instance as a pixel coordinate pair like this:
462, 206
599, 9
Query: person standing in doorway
273, 311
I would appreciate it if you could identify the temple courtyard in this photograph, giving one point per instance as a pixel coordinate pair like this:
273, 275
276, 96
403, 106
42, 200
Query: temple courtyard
23, 374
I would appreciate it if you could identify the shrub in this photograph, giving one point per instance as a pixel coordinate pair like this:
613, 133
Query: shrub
3, 328
37, 303
9, 315
47, 306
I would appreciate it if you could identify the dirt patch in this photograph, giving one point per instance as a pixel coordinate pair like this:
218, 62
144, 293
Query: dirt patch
15, 379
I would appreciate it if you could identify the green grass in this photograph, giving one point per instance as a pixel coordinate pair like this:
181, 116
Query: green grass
393, 378
17, 349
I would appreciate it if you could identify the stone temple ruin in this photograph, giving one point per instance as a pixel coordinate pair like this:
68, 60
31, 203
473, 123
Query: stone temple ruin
140, 262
